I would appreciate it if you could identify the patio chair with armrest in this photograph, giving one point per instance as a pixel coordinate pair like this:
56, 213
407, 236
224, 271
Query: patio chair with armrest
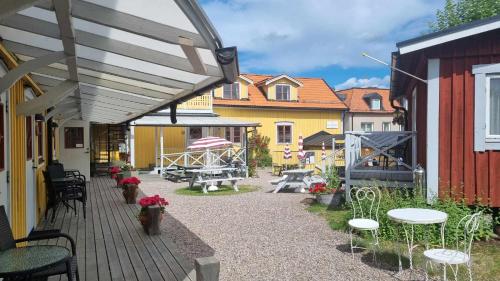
462, 252
7, 242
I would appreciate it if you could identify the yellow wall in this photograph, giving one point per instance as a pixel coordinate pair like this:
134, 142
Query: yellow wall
17, 162
305, 123
173, 141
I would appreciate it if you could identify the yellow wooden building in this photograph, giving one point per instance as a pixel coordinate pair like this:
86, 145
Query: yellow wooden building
280, 107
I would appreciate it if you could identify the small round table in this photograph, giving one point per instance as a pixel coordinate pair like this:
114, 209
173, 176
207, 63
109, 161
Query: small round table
413, 216
26, 261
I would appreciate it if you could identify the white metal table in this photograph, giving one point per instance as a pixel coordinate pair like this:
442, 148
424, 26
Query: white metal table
416, 216
294, 178
213, 176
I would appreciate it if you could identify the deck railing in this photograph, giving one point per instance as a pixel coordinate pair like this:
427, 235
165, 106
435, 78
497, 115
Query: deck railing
380, 156
203, 157
199, 103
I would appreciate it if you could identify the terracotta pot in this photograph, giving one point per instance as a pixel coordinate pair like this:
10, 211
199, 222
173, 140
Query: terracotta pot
118, 178
130, 192
151, 220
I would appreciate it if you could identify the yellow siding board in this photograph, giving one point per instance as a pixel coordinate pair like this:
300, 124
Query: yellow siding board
173, 141
18, 162
305, 123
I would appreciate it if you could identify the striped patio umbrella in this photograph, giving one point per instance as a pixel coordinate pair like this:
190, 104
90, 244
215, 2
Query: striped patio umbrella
209, 142
301, 153
323, 151
288, 153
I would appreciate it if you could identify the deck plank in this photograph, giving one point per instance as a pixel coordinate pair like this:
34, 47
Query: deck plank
110, 242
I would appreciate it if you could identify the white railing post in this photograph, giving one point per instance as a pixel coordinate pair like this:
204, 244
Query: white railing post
161, 150
347, 161
413, 150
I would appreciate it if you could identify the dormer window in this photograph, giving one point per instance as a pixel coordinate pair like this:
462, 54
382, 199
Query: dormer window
375, 104
231, 91
283, 92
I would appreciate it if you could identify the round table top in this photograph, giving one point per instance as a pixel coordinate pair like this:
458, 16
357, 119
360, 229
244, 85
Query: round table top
31, 258
417, 216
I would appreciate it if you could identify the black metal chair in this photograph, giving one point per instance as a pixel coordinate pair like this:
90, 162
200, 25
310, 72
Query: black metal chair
73, 188
7, 241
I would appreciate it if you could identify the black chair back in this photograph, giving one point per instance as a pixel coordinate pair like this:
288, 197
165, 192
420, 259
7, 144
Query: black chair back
56, 171
6, 236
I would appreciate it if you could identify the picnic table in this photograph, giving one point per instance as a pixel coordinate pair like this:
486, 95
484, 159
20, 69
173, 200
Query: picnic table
295, 178
214, 176
180, 172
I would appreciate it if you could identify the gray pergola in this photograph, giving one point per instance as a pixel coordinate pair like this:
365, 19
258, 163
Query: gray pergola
112, 61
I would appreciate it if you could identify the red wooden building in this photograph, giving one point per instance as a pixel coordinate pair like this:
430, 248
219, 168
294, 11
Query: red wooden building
456, 112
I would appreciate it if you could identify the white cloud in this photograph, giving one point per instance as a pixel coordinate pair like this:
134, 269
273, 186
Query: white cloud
376, 82
299, 35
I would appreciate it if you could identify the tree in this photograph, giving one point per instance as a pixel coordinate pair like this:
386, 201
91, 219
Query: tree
457, 12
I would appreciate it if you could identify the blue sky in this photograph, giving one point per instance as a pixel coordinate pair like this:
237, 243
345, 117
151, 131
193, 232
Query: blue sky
320, 38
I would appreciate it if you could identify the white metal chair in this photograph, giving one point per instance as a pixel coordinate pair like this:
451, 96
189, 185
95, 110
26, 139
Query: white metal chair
365, 204
461, 254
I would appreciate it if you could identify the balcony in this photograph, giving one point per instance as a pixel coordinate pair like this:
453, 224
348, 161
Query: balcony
198, 103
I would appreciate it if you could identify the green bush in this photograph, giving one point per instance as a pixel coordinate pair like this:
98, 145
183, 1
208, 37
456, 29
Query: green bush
332, 177
456, 210
259, 150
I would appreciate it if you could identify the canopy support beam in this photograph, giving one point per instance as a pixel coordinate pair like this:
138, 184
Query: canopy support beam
17, 73
51, 98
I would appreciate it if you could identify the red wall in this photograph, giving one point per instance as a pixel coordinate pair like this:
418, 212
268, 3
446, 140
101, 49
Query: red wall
463, 173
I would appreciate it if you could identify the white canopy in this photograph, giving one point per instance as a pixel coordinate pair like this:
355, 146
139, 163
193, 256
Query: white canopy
113, 61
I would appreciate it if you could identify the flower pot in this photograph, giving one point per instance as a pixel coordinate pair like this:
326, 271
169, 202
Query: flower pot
118, 178
332, 199
151, 220
130, 192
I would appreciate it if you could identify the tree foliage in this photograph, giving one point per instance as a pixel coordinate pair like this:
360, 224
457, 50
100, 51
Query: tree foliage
457, 12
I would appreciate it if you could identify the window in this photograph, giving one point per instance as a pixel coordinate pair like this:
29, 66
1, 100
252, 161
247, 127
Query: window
2, 139
486, 107
367, 126
231, 91
195, 133
404, 103
386, 126
39, 134
29, 139
493, 108
283, 92
73, 137
375, 104
284, 133
233, 134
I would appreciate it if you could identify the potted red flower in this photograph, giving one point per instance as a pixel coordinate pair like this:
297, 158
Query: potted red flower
113, 171
151, 214
130, 189
330, 192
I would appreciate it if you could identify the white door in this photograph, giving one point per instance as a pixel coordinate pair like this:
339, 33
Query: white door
4, 134
75, 146
31, 206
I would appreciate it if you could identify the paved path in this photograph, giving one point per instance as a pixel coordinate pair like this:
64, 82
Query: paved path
262, 236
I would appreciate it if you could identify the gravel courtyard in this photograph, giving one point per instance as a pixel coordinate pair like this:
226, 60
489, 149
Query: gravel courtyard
259, 235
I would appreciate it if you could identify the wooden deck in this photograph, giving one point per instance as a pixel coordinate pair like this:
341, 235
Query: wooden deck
111, 244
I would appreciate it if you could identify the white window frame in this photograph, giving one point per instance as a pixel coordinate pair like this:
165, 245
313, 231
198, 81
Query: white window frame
482, 139
372, 105
361, 125
277, 132
289, 92
231, 134
390, 126
231, 98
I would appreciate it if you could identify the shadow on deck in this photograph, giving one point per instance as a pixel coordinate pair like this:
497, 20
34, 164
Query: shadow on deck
111, 244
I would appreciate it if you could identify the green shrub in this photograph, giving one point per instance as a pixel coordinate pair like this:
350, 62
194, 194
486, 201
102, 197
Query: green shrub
259, 150
456, 210
332, 177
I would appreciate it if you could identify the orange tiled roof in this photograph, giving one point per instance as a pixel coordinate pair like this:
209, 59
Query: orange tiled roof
314, 94
356, 101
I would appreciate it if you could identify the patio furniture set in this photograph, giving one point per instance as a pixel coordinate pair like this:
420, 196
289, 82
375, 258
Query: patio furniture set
211, 178
365, 203
296, 179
